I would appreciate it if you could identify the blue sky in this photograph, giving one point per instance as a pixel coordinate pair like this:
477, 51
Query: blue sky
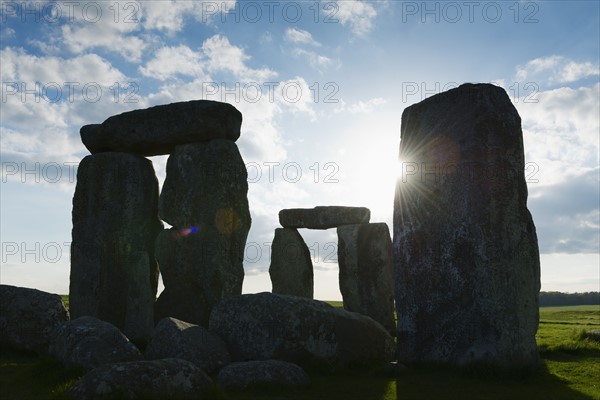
321, 85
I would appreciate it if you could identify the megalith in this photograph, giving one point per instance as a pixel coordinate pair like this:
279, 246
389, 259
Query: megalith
466, 257
366, 273
115, 223
204, 198
291, 268
157, 130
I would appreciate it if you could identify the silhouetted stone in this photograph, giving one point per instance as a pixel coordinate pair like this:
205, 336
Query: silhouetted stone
241, 375
323, 217
307, 332
465, 247
183, 300
366, 272
139, 317
154, 380
27, 318
115, 223
87, 343
205, 198
173, 338
291, 267
157, 130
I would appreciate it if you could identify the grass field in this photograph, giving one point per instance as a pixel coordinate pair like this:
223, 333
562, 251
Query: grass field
570, 370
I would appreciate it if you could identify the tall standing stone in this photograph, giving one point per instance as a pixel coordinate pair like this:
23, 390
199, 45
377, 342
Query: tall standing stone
366, 274
291, 269
115, 223
465, 248
204, 198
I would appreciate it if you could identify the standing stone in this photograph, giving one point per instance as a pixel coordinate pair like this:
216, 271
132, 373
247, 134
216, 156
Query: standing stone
291, 267
323, 217
139, 318
366, 274
465, 248
157, 130
204, 198
115, 222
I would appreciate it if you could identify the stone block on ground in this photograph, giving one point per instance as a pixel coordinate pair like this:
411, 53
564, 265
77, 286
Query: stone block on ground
28, 317
87, 343
153, 380
173, 338
307, 332
241, 375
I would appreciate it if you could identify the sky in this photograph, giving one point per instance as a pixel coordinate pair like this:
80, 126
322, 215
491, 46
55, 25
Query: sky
321, 86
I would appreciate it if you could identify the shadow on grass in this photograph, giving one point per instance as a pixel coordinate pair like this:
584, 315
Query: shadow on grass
436, 382
28, 376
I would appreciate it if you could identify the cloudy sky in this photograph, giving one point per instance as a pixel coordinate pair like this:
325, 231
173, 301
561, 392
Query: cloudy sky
321, 85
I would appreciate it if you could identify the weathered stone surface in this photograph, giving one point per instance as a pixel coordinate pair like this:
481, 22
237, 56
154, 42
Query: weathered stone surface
465, 248
205, 198
323, 217
366, 272
139, 317
27, 318
155, 380
307, 332
173, 338
87, 343
291, 267
115, 223
241, 375
157, 130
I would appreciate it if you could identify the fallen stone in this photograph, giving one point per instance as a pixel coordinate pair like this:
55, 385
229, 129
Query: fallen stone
173, 338
241, 375
465, 248
291, 268
115, 223
366, 272
153, 380
28, 317
87, 343
323, 217
307, 332
157, 130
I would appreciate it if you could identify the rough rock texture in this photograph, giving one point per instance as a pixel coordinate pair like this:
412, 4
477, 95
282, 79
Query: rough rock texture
27, 318
241, 375
323, 217
173, 338
291, 267
310, 333
366, 272
465, 248
205, 198
87, 343
115, 223
157, 130
160, 379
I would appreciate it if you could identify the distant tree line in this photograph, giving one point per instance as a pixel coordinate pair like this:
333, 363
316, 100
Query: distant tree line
569, 299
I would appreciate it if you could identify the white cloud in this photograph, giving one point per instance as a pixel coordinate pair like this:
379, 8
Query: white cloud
300, 36
169, 62
223, 56
361, 107
359, 15
315, 60
556, 70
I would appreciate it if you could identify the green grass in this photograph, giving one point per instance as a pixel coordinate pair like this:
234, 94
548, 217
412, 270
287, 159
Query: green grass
570, 370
